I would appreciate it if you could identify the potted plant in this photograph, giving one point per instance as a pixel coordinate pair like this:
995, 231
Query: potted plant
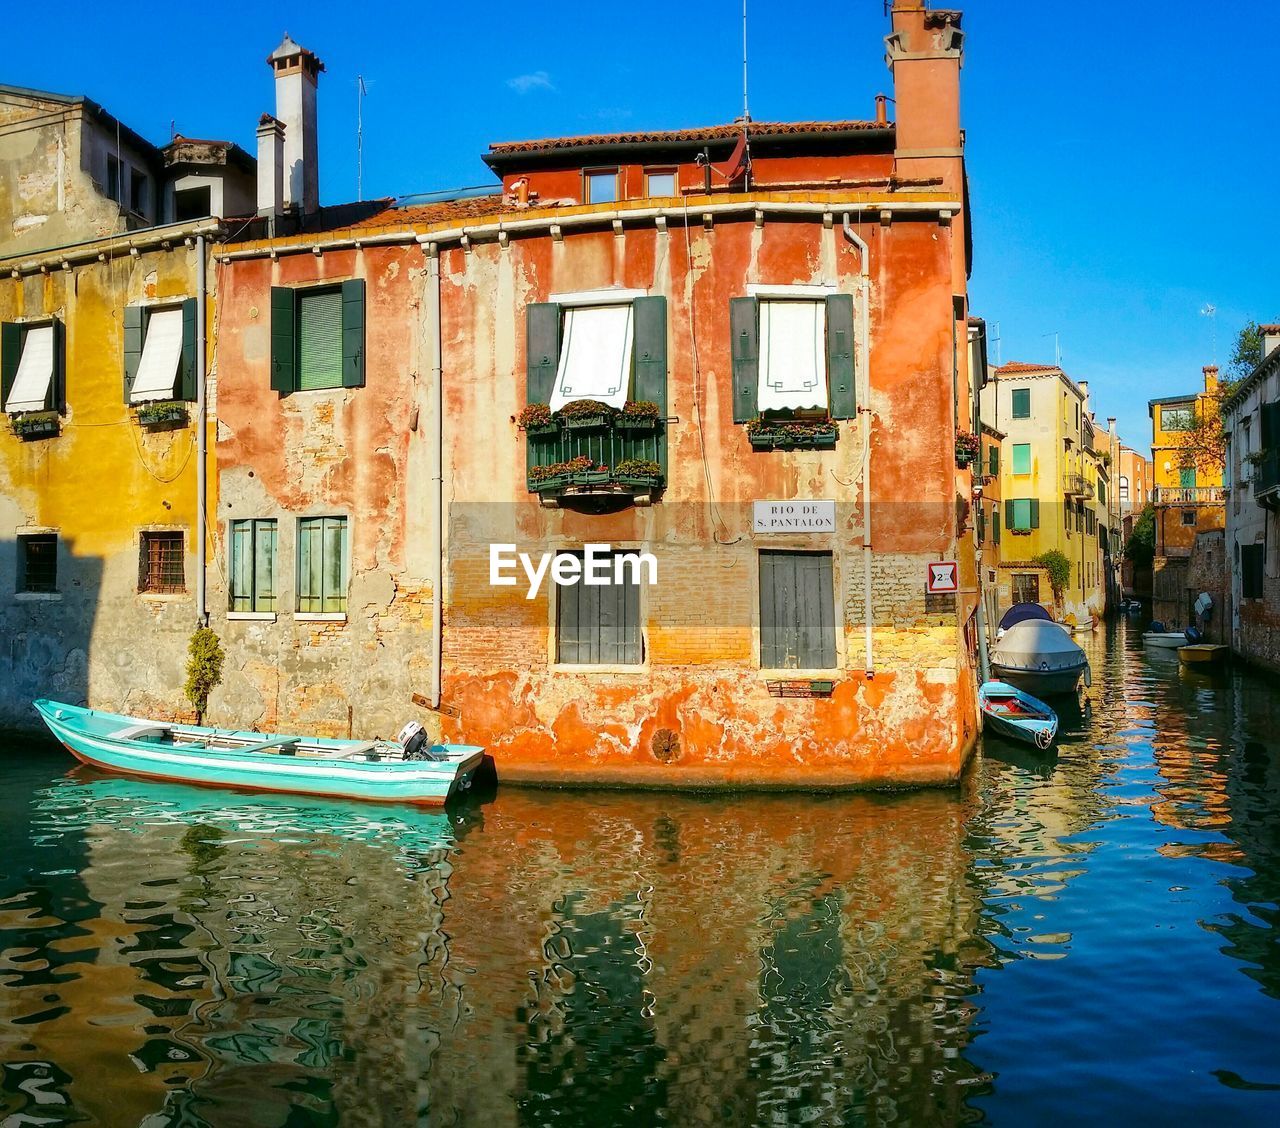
584, 471
639, 473
638, 415
162, 412
792, 434
36, 424
585, 414
968, 448
545, 479
536, 419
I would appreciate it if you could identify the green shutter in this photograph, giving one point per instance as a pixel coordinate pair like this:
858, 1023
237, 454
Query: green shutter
993, 461
542, 350
187, 374
58, 383
1035, 513
840, 385
1270, 429
744, 325
319, 339
1008, 513
995, 525
135, 331
651, 351
353, 333
981, 524
284, 339
10, 352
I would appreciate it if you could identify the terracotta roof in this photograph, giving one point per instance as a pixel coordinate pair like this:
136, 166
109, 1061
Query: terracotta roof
763, 129
1270, 328
475, 207
1015, 366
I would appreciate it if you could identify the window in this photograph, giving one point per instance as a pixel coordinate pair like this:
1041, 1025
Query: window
595, 355
980, 525
599, 624
113, 178
600, 185
1021, 514
1022, 403
31, 367
137, 191
1022, 458
1176, 418
192, 203
253, 565
1252, 561
1102, 491
995, 523
993, 460
1187, 478
160, 353
1188, 516
1026, 587
797, 611
38, 562
792, 354
322, 565
317, 337
160, 563
660, 182
1124, 490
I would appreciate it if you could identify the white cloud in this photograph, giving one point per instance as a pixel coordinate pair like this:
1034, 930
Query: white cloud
523, 83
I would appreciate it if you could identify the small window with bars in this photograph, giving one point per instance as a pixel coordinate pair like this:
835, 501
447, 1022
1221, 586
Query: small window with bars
38, 562
1026, 587
253, 565
322, 565
160, 563
599, 624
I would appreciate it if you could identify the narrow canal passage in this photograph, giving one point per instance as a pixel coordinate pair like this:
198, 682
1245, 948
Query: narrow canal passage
1080, 936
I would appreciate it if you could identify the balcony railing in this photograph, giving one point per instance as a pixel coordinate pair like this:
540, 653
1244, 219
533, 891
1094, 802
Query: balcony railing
1077, 485
1189, 495
1266, 474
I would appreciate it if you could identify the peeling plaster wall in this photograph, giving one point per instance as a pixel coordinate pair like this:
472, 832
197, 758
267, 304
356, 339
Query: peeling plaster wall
98, 484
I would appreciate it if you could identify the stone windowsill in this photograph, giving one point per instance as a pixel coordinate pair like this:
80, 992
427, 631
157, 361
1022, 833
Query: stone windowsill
320, 616
37, 596
163, 596
569, 668
252, 616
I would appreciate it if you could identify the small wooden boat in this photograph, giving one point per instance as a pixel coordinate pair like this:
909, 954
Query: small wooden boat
1013, 713
1204, 654
1167, 640
350, 769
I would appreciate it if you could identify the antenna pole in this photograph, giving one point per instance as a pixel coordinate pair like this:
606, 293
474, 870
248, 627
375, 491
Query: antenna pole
746, 113
360, 92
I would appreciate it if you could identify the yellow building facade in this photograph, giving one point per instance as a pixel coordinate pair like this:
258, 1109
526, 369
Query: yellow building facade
1055, 488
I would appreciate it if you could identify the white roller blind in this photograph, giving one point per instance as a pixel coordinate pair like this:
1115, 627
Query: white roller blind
793, 355
158, 368
35, 371
595, 356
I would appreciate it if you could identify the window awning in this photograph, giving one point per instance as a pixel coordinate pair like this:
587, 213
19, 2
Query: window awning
595, 356
158, 367
30, 391
793, 362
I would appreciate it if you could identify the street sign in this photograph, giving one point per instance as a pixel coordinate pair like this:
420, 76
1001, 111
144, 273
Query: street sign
794, 517
943, 578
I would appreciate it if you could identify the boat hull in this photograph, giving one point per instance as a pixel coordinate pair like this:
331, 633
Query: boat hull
1204, 654
1165, 640
1017, 715
1040, 683
87, 735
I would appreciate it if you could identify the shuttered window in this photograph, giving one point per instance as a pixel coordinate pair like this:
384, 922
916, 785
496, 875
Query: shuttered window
797, 611
319, 339
322, 565
1022, 513
993, 461
1022, 403
253, 565
1022, 458
1252, 567
599, 624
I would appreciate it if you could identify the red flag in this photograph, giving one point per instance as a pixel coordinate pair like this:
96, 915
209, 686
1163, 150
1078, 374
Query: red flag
736, 165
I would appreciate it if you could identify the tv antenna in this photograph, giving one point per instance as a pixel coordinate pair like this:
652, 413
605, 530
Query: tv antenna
1211, 312
996, 341
746, 113
1057, 348
360, 94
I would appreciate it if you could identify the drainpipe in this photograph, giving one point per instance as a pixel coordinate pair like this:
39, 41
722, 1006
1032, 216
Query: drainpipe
435, 552
202, 438
864, 256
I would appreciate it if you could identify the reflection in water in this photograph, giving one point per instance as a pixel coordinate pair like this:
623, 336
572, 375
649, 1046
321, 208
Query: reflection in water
180, 956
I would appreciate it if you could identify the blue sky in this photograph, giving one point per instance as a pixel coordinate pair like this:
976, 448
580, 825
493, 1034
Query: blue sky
1119, 173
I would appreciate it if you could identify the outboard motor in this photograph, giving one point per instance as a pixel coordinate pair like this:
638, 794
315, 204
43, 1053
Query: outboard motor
413, 739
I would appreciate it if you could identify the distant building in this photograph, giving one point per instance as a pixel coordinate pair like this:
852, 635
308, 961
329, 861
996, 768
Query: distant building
1188, 501
1251, 417
1133, 489
1054, 482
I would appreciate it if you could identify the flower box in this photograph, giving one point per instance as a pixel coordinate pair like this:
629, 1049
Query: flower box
585, 422
590, 477
552, 428
643, 424
536, 419
638, 481
39, 425
548, 484
158, 414
793, 436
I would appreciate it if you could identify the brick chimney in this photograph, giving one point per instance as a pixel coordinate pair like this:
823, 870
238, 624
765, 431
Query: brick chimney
297, 72
1210, 379
924, 52
1270, 339
270, 170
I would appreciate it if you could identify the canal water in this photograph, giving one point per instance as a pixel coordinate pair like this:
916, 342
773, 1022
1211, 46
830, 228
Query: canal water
1088, 935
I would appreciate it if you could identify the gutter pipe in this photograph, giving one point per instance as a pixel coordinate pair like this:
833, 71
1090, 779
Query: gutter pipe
202, 436
435, 553
864, 409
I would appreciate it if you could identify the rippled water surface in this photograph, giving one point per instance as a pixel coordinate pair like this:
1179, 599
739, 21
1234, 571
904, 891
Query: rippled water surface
1084, 936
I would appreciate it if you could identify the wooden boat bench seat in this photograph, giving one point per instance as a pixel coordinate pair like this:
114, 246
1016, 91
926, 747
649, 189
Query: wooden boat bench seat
143, 732
282, 743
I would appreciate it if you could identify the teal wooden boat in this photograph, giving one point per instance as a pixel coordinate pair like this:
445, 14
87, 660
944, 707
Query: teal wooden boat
351, 769
1014, 713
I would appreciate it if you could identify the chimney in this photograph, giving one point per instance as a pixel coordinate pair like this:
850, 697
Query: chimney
882, 109
297, 72
1270, 339
1210, 379
270, 169
924, 52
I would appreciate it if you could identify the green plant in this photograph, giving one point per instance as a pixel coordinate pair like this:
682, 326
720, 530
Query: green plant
204, 669
640, 409
1059, 569
790, 428
1140, 548
545, 473
577, 409
535, 415
1256, 457
637, 468
968, 446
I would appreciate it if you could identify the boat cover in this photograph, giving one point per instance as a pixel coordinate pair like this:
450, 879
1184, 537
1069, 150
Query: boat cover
1036, 644
1021, 612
